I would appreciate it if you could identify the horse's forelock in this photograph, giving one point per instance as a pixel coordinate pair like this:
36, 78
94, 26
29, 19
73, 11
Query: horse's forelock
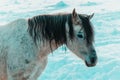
88, 29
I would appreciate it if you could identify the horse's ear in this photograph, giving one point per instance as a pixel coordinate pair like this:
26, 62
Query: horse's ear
74, 14
75, 18
90, 16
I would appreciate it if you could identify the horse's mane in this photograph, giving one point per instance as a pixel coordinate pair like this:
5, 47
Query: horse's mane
88, 28
51, 27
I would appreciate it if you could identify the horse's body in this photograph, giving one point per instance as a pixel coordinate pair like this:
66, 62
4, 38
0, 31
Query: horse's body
14, 39
23, 53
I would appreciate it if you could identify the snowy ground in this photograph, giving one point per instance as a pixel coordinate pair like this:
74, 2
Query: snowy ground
65, 65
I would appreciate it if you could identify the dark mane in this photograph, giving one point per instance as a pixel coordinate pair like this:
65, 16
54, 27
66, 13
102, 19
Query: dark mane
88, 29
49, 27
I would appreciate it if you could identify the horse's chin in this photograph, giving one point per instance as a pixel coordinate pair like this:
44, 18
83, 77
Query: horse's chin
89, 65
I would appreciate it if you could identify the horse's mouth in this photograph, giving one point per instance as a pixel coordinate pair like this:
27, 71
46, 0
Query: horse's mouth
90, 65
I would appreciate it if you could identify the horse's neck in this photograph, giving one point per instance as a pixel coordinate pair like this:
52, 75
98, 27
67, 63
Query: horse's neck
46, 48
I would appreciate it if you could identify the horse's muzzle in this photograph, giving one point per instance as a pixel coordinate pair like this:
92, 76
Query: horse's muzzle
92, 63
89, 65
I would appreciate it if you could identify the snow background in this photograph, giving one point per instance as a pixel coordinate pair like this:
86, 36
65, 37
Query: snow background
64, 65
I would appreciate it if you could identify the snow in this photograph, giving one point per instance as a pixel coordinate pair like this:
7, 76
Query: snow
64, 65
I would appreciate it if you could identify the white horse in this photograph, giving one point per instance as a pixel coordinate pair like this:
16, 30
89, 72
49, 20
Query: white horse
26, 43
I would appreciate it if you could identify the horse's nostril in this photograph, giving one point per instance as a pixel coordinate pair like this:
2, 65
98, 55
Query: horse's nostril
93, 60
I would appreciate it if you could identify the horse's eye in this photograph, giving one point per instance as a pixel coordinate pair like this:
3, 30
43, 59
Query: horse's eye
79, 35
